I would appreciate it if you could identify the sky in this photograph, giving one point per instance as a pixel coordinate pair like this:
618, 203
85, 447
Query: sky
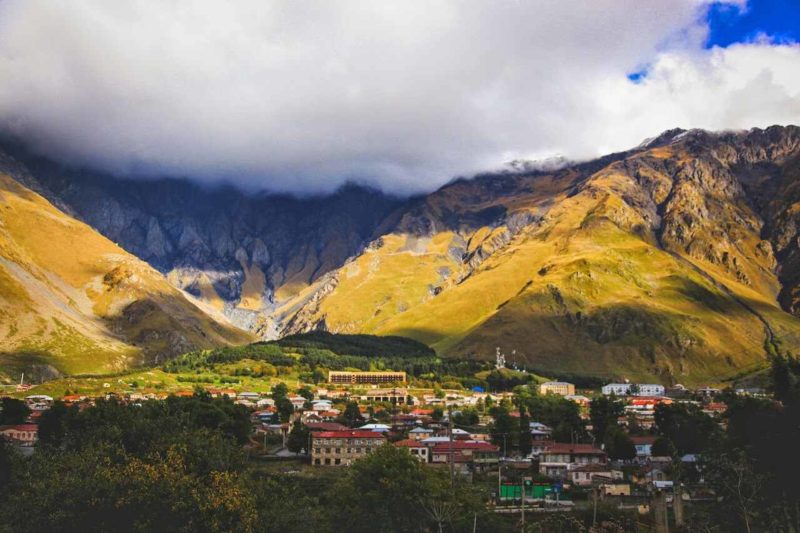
302, 96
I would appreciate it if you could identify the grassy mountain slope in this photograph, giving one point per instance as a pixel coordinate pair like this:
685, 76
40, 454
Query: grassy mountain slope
71, 301
648, 264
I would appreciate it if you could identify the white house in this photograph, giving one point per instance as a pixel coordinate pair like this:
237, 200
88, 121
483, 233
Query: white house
641, 389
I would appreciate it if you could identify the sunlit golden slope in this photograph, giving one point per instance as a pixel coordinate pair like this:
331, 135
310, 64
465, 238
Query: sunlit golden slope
71, 301
649, 265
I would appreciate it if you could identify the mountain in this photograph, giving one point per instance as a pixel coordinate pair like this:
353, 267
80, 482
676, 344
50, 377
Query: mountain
240, 253
677, 260
669, 261
71, 301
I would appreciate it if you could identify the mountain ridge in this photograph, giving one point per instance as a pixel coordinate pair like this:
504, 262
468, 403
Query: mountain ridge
567, 255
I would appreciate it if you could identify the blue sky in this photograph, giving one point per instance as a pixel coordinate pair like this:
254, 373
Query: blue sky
779, 19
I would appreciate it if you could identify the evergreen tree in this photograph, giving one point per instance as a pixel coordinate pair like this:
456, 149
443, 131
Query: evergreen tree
525, 442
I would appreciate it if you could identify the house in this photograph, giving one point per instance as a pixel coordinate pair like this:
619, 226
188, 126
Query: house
643, 445
420, 433
21, 433
557, 459
581, 400
615, 489
321, 405
341, 448
585, 475
417, 449
298, 402
379, 428
478, 454
249, 396
562, 388
393, 396
540, 431
538, 446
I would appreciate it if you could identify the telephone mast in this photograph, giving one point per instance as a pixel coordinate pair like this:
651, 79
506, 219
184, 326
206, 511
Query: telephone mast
500, 359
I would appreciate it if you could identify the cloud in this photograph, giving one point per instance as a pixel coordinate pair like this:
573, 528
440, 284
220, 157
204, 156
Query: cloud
405, 94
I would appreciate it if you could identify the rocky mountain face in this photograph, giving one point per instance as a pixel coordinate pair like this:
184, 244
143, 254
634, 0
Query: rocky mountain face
71, 301
240, 253
678, 260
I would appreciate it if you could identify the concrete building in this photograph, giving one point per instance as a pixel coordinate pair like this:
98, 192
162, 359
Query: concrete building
394, 396
639, 389
365, 378
558, 459
341, 448
562, 388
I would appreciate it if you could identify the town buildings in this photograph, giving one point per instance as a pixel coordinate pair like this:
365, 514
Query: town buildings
561, 388
365, 378
641, 389
341, 448
556, 460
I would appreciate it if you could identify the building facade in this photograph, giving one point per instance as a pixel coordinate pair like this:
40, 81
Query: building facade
559, 458
561, 388
341, 448
365, 378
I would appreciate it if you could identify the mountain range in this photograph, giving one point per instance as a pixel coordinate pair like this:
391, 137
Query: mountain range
678, 260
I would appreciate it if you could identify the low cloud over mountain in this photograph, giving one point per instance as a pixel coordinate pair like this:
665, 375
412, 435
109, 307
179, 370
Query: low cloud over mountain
302, 96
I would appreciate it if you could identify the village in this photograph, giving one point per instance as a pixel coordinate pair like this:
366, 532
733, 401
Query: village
524, 462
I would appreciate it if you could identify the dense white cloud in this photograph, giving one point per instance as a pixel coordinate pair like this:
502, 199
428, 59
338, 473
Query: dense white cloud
302, 95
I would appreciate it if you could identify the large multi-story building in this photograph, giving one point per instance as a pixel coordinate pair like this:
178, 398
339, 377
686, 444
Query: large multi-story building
340, 448
641, 389
365, 378
557, 387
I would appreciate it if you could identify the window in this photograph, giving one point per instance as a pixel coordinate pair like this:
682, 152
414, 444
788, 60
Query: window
317, 461
316, 450
338, 450
338, 462
327, 461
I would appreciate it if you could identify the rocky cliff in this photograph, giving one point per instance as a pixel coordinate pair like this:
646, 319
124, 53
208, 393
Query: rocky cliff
678, 259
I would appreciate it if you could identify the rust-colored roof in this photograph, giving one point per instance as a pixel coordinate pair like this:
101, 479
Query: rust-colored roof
350, 434
565, 447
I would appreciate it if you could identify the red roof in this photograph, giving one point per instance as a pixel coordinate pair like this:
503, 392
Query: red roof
325, 426
565, 447
644, 439
21, 427
409, 443
350, 434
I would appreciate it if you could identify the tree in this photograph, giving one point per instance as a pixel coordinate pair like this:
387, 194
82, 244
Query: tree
285, 408
503, 428
689, 429
525, 442
13, 411
53, 424
306, 393
279, 391
298, 438
604, 412
619, 445
351, 416
662, 447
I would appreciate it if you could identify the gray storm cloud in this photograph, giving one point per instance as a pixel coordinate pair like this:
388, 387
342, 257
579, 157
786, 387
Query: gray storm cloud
301, 96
